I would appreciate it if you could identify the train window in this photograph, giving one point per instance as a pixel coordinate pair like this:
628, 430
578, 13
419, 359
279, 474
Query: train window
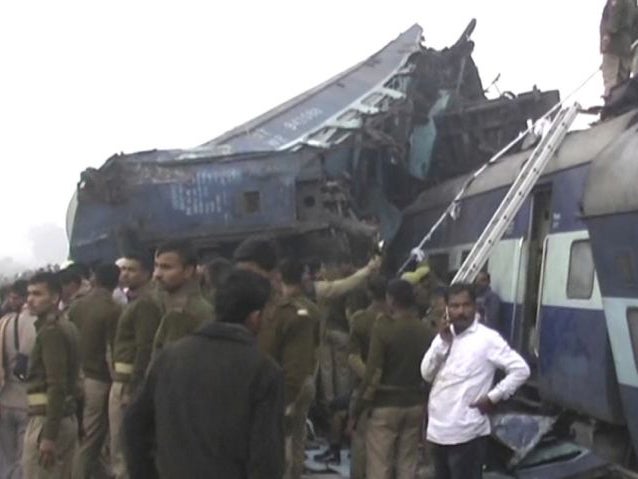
632, 323
252, 201
580, 277
440, 264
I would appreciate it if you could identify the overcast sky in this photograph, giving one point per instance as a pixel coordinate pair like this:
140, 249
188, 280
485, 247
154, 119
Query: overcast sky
82, 80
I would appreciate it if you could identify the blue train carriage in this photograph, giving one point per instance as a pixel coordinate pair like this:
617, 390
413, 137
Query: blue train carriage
610, 206
544, 272
139, 200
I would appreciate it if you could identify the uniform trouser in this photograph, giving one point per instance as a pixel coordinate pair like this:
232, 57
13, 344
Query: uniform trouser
88, 463
459, 461
118, 399
615, 69
65, 445
358, 448
392, 441
295, 441
336, 377
13, 424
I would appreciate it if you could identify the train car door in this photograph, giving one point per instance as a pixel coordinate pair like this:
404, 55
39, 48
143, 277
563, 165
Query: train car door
539, 228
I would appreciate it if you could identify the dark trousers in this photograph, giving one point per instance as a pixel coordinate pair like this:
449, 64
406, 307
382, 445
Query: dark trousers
460, 461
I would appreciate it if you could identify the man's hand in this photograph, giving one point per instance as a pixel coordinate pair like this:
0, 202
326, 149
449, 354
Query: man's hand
47, 453
445, 332
375, 264
484, 405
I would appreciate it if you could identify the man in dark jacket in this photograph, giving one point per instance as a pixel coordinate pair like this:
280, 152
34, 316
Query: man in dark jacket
212, 404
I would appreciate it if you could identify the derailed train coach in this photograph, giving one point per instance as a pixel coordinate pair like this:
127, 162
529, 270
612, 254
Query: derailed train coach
325, 173
565, 271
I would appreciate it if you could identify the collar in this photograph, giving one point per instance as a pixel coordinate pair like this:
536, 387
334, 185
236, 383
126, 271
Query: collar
46, 318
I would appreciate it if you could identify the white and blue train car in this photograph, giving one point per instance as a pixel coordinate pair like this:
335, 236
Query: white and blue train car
610, 205
544, 271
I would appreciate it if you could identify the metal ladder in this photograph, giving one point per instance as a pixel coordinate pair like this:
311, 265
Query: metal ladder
528, 176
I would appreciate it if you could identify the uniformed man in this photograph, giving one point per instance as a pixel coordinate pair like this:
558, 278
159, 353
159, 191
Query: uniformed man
616, 36
183, 305
214, 275
17, 336
397, 345
212, 403
96, 316
73, 285
132, 348
291, 337
52, 432
358, 346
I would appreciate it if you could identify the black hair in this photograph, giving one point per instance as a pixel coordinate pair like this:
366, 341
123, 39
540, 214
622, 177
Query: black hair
459, 288
291, 271
81, 269
144, 260
19, 288
487, 275
218, 271
401, 293
69, 275
49, 279
183, 249
107, 276
241, 294
377, 285
257, 250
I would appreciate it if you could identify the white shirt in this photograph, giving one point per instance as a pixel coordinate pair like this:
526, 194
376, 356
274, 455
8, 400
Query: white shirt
466, 375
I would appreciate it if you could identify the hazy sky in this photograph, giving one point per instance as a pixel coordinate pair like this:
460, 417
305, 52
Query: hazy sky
80, 81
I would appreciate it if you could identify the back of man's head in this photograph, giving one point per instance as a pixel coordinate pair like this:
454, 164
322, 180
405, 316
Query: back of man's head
69, 276
19, 288
401, 293
81, 269
291, 272
218, 270
377, 285
258, 250
107, 276
243, 293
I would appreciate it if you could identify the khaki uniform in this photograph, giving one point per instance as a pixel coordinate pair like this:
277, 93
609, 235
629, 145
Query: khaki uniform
95, 315
616, 35
290, 335
336, 377
132, 350
52, 395
358, 347
184, 311
397, 346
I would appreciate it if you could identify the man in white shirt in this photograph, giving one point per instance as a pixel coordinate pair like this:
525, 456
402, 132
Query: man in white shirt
460, 364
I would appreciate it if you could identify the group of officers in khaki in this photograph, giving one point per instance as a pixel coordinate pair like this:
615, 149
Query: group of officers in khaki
91, 354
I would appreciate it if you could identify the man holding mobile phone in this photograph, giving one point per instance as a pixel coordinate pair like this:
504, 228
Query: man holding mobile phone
460, 364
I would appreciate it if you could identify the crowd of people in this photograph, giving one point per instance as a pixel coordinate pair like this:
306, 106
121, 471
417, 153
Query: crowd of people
162, 367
